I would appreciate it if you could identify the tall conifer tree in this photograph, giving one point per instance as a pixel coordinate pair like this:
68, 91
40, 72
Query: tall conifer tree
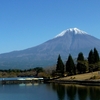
81, 67
80, 57
93, 60
91, 57
96, 56
60, 65
70, 66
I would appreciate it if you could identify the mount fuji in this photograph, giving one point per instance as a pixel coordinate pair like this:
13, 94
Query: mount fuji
70, 41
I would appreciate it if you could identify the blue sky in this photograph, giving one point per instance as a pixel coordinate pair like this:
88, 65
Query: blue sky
27, 23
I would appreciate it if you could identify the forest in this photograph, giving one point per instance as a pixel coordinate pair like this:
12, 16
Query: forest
81, 65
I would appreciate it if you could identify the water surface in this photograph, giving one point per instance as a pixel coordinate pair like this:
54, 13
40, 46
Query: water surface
49, 92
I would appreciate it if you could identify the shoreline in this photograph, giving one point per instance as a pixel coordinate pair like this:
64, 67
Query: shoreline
58, 81
79, 82
92, 78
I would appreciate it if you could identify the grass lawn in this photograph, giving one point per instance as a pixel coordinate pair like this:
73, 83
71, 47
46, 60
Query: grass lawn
86, 76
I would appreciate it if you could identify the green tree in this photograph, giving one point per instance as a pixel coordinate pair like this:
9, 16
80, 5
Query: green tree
81, 67
96, 60
38, 70
96, 56
60, 65
70, 66
91, 57
93, 60
80, 57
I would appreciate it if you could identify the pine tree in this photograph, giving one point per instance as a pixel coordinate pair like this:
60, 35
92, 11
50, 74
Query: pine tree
93, 60
80, 57
96, 60
91, 57
96, 56
60, 65
70, 66
81, 67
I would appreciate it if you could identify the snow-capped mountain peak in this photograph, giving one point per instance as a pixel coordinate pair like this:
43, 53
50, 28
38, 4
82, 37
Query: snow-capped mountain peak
61, 34
71, 30
76, 30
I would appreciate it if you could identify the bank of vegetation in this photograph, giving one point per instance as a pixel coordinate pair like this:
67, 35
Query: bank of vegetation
80, 66
34, 72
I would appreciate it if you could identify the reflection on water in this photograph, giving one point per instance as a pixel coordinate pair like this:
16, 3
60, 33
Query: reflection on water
60, 89
71, 92
82, 93
94, 93
51, 91
28, 84
76, 92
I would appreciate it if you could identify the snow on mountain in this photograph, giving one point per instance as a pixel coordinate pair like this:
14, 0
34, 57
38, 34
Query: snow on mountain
71, 30
61, 34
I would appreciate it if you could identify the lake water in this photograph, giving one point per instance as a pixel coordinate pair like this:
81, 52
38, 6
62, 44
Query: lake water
49, 92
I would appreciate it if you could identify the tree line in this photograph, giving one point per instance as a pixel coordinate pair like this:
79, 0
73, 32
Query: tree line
22, 73
81, 65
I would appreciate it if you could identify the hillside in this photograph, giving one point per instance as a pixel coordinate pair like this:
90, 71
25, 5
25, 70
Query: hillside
70, 41
86, 76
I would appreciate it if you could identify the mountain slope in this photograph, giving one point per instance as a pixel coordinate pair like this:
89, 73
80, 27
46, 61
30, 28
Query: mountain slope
70, 41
